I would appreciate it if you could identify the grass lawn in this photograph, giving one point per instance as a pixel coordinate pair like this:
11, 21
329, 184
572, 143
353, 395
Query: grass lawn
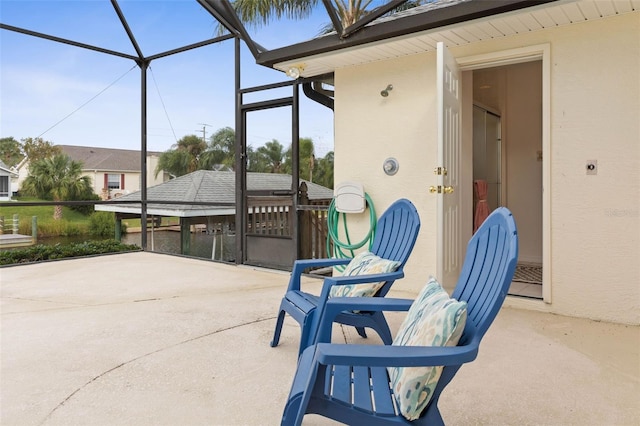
72, 223
44, 213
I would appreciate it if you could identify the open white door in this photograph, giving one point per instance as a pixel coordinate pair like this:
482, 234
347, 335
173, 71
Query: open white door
450, 248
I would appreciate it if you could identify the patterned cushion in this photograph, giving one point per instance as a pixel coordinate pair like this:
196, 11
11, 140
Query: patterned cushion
364, 263
433, 319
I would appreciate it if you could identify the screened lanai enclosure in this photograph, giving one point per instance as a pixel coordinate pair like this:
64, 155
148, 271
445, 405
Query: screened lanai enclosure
265, 224
346, 26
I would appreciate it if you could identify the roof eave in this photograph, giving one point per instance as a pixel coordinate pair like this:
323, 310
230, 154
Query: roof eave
436, 18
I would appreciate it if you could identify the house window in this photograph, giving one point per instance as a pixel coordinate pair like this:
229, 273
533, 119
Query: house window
4, 186
113, 181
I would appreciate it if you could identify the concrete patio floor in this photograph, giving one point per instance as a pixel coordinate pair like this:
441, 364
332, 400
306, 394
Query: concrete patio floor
151, 339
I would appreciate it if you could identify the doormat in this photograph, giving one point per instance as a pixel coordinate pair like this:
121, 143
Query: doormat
531, 274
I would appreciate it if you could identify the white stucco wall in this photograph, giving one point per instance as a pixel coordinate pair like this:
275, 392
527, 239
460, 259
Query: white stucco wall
369, 128
595, 105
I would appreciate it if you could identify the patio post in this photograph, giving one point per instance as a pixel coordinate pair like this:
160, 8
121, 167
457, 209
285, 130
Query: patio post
118, 228
34, 228
185, 236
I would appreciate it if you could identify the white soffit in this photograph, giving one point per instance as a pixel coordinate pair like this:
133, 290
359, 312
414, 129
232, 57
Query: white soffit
503, 25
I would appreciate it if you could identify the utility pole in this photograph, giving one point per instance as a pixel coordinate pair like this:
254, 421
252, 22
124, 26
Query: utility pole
204, 131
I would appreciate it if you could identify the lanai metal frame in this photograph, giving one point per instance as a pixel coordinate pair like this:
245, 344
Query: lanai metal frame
361, 32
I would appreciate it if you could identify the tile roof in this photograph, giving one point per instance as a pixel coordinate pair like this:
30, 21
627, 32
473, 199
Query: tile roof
92, 158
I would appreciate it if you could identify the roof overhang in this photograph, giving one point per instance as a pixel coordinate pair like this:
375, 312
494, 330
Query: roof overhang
9, 172
313, 56
457, 24
177, 211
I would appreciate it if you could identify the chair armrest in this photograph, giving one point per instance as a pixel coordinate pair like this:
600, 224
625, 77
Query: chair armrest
394, 356
365, 278
300, 265
357, 279
336, 305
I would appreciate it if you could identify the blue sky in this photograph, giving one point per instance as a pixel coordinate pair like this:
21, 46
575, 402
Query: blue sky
42, 82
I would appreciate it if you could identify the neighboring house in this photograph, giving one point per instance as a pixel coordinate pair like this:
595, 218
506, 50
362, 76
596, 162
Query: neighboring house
113, 172
540, 101
8, 178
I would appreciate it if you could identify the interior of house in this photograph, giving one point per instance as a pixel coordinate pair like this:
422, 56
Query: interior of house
508, 156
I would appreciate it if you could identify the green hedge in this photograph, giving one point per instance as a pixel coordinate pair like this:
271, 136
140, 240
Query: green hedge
42, 252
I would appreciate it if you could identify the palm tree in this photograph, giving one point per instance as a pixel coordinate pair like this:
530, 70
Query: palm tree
271, 154
324, 171
260, 12
194, 147
306, 153
183, 157
221, 150
175, 162
58, 178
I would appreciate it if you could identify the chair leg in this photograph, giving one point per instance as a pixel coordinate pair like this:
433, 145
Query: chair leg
278, 329
361, 331
382, 328
432, 415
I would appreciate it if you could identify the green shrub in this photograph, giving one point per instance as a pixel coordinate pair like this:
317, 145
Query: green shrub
25, 226
42, 252
103, 224
86, 209
72, 229
60, 228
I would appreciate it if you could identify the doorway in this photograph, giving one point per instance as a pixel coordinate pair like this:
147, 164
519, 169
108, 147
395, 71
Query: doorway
266, 216
508, 158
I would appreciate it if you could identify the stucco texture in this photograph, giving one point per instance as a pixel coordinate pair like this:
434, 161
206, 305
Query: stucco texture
593, 220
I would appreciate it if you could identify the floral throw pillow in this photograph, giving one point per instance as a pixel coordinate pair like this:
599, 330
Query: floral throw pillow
364, 263
434, 319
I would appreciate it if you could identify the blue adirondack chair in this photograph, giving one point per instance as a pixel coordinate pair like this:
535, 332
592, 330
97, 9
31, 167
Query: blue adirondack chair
350, 383
396, 233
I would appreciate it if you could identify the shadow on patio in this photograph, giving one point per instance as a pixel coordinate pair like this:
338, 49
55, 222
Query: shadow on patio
150, 339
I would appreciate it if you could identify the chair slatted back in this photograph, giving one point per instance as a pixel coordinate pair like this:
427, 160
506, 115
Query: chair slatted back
396, 232
492, 255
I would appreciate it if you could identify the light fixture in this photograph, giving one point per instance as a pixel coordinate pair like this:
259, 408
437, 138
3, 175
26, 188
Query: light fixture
294, 71
390, 166
386, 91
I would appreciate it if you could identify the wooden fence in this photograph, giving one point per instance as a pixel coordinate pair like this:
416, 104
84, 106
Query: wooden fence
269, 215
312, 225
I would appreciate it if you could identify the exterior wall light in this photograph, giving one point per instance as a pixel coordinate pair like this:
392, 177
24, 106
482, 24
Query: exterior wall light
390, 166
294, 72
